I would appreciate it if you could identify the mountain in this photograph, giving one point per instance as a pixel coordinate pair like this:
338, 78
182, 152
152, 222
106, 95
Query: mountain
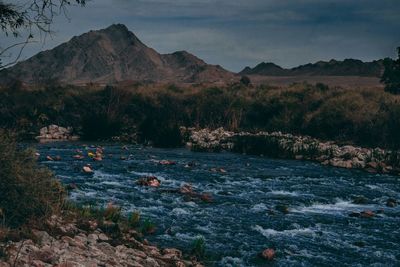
265, 69
111, 55
347, 67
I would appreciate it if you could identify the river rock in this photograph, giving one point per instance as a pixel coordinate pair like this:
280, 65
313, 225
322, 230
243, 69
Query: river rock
278, 144
54, 132
268, 254
391, 202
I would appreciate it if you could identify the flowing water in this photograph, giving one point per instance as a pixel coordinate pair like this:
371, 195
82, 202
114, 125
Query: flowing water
239, 224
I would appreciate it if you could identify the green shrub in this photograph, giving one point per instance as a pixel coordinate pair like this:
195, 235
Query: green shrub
134, 219
148, 227
28, 192
112, 213
199, 247
391, 75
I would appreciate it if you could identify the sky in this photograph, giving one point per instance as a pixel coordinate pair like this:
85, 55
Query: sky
239, 33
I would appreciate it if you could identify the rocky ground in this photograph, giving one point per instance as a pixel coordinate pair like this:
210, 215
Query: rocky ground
281, 145
67, 245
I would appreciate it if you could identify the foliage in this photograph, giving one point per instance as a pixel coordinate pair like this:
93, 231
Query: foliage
391, 75
199, 247
27, 191
368, 117
245, 80
112, 213
148, 227
134, 219
33, 16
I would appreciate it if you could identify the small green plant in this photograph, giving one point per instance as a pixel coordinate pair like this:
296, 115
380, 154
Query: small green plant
148, 227
134, 219
112, 213
199, 247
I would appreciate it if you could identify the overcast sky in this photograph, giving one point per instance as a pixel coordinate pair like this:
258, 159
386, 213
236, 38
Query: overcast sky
239, 33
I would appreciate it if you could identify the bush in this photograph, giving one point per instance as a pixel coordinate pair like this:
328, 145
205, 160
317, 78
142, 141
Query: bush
391, 75
28, 192
199, 247
100, 127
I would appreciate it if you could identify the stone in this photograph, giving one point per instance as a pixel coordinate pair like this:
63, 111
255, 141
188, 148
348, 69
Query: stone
43, 131
268, 254
360, 200
45, 255
55, 132
150, 262
103, 237
391, 202
173, 252
372, 164
367, 214
87, 169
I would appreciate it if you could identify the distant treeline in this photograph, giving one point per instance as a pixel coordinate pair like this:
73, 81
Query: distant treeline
368, 117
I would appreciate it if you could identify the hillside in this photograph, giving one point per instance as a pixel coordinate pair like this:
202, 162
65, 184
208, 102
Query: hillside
347, 67
111, 55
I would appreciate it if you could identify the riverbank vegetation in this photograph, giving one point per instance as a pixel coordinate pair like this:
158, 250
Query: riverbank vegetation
367, 117
39, 225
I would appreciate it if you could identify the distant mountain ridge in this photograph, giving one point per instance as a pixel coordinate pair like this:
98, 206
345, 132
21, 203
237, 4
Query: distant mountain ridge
115, 54
347, 67
111, 55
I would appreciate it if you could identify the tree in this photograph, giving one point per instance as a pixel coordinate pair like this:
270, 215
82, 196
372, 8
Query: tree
23, 21
245, 80
391, 75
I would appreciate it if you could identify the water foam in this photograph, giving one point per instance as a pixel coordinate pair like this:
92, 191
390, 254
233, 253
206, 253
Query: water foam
335, 208
272, 232
283, 193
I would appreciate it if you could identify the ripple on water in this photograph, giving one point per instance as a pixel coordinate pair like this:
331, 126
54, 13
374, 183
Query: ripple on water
338, 207
317, 231
293, 232
283, 193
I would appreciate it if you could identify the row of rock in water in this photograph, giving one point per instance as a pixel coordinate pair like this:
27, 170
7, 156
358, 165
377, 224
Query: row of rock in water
274, 144
280, 145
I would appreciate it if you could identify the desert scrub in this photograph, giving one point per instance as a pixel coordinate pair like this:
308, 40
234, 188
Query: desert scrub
28, 192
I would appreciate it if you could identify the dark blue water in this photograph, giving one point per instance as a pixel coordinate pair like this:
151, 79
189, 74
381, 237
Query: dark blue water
317, 231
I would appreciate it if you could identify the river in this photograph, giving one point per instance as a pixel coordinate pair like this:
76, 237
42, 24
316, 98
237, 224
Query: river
243, 220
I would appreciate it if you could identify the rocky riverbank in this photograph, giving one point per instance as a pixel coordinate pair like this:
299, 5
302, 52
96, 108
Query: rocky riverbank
54, 132
280, 145
67, 244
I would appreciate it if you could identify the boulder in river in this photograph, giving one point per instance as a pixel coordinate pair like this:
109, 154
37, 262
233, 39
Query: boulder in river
391, 202
87, 169
367, 214
149, 181
268, 254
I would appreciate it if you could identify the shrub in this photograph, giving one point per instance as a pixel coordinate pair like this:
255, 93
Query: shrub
112, 213
245, 80
148, 227
199, 247
134, 219
100, 127
28, 192
391, 75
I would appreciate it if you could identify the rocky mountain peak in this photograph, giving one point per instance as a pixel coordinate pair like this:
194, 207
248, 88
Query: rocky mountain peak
111, 55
